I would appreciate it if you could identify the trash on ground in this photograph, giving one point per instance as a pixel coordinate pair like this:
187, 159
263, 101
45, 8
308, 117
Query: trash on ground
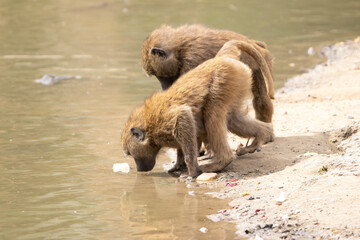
121, 167
204, 230
245, 194
280, 199
231, 184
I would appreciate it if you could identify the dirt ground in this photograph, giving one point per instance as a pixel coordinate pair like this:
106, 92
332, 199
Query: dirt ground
306, 184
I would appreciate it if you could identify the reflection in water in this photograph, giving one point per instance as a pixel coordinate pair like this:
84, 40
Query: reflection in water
58, 143
156, 207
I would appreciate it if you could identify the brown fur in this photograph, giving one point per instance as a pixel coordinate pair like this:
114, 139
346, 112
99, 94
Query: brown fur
201, 104
170, 52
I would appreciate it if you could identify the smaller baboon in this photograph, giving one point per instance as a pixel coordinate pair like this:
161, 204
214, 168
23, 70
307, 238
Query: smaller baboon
202, 104
170, 52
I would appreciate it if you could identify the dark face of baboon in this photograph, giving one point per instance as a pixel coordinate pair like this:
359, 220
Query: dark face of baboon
164, 65
140, 147
161, 59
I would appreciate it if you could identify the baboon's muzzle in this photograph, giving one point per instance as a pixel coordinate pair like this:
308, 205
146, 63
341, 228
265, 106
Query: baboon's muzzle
144, 165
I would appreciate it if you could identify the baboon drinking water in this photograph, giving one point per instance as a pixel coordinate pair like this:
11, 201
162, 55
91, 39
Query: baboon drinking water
170, 52
202, 104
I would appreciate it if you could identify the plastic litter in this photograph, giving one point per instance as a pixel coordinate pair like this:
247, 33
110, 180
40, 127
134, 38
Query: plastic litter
204, 230
49, 79
280, 199
121, 167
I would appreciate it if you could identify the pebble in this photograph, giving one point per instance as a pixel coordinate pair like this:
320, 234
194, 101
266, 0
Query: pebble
258, 238
311, 51
204, 230
214, 217
206, 176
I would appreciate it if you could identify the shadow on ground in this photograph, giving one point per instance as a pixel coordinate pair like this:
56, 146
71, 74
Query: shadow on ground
283, 152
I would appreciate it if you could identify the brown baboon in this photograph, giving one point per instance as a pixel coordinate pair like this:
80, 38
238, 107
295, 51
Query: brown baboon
201, 104
170, 52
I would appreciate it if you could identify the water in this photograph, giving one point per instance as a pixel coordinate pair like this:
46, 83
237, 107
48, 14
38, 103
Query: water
58, 143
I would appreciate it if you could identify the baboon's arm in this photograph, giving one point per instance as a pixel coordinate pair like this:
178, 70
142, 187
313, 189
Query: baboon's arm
185, 135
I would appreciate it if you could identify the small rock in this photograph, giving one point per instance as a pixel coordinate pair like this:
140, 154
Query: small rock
204, 230
214, 217
206, 176
258, 238
268, 225
251, 198
311, 51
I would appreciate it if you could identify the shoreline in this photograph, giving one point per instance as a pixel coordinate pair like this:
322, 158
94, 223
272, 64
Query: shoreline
305, 185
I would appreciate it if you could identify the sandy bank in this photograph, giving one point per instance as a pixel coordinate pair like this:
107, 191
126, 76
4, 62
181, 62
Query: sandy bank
314, 162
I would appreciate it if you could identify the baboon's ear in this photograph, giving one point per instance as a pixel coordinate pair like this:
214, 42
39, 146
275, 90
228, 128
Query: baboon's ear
158, 51
138, 133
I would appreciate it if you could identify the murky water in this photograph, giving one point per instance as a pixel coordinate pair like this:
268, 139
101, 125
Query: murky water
58, 143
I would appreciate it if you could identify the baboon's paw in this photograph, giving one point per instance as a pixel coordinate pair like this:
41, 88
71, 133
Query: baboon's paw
269, 139
213, 165
250, 149
177, 167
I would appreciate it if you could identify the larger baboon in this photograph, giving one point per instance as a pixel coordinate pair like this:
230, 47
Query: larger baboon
170, 52
202, 103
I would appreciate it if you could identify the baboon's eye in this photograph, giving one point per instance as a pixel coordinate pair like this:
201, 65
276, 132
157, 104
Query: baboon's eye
138, 133
158, 51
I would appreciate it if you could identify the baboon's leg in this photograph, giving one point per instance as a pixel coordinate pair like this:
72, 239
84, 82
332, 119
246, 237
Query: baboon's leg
246, 127
262, 104
215, 125
180, 162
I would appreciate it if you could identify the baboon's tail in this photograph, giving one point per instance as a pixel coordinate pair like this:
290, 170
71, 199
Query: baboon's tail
233, 49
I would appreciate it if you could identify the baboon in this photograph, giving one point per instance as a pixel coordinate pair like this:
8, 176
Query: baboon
202, 104
170, 52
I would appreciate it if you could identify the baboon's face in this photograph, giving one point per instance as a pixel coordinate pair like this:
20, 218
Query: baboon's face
162, 62
141, 149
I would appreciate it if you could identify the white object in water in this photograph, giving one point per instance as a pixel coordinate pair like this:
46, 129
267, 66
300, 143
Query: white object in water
49, 79
311, 51
121, 167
